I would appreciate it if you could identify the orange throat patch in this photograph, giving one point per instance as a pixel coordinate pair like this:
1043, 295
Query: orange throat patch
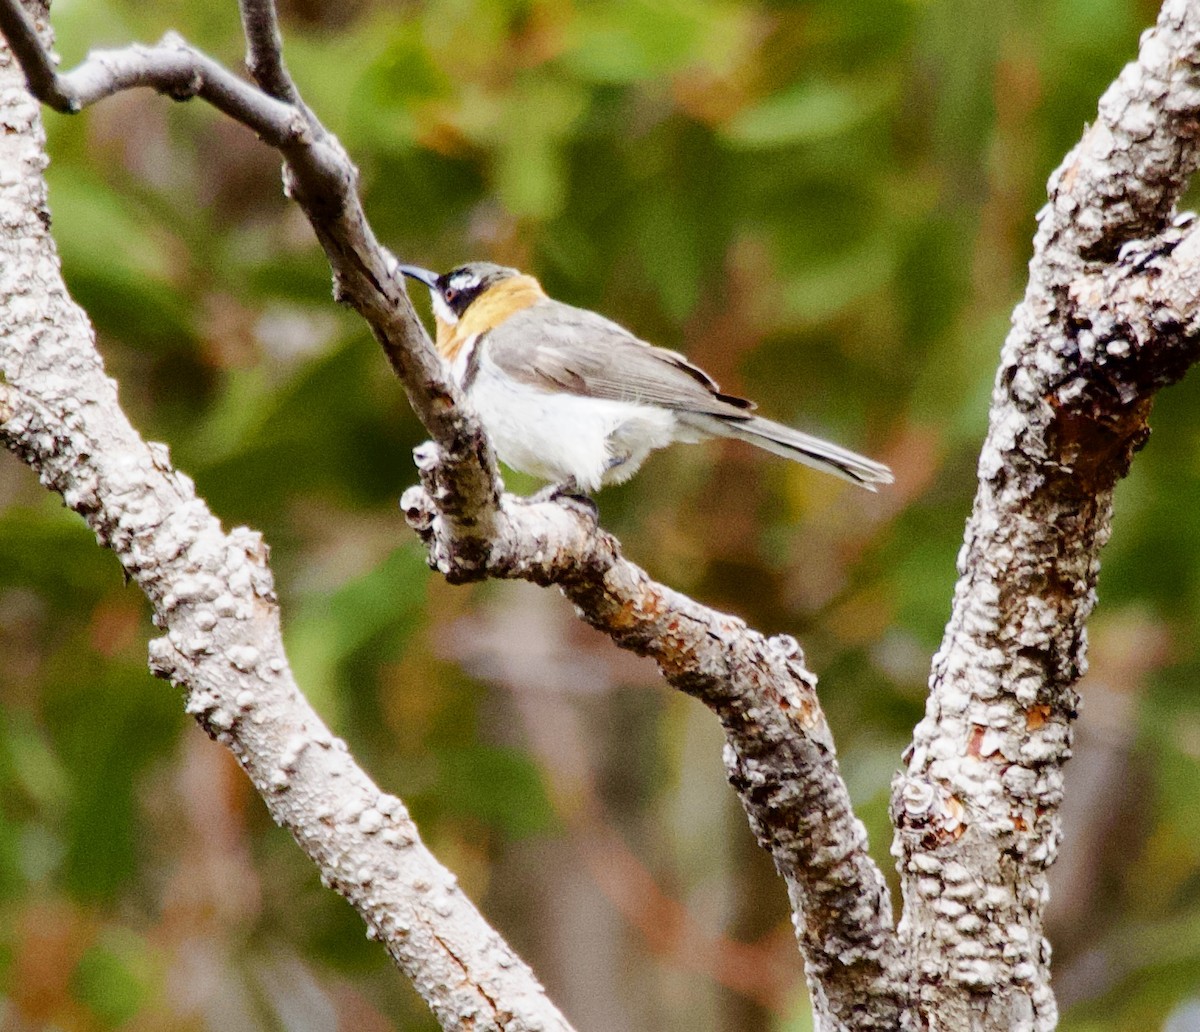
488, 311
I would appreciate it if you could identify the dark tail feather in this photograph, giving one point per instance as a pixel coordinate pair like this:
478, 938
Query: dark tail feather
797, 446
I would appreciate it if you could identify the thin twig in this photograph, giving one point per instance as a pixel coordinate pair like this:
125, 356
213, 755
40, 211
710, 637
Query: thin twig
34, 59
171, 67
181, 72
264, 50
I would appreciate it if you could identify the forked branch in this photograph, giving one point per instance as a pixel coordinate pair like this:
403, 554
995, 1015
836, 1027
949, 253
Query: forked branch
222, 646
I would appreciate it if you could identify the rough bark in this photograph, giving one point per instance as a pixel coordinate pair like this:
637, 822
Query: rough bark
213, 597
780, 754
1108, 318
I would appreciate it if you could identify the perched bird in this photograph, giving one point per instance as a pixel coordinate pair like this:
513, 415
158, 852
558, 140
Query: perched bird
571, 397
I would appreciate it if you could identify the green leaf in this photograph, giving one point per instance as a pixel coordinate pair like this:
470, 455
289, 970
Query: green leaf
810, 112
113, 977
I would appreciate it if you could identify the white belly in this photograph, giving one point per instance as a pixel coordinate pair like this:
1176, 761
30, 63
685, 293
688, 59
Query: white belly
558, 436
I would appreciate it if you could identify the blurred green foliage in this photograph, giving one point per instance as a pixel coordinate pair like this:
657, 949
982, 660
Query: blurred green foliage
827, 204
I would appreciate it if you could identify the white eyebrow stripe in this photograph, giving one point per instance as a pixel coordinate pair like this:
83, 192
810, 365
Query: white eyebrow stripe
464, 281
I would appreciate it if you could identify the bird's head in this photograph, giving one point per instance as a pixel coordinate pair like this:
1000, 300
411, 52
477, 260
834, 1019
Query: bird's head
473, 298
453, 292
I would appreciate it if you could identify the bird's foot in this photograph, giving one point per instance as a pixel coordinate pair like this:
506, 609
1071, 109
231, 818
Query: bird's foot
581, 504
568, 494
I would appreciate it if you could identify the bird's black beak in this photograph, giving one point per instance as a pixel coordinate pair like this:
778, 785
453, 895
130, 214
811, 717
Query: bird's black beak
421, 275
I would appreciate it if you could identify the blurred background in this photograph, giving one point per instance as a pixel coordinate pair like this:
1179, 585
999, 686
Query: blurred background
829, 205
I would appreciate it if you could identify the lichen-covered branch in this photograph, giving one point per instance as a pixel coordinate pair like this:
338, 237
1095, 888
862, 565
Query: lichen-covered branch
779, 754
323, 181
1108, 318
213, 597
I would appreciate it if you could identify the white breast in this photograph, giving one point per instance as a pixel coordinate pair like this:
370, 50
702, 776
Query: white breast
559, 436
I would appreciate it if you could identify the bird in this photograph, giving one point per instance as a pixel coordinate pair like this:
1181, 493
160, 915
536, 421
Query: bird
577, 400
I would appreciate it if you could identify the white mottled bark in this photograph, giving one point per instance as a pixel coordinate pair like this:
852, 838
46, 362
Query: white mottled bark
780, 756
1108, 318
213, 597
779, 753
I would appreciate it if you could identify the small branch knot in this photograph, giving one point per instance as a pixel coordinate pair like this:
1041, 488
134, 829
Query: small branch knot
427, 456
419, 511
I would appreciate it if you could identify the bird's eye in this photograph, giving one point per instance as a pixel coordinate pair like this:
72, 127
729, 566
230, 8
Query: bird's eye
449, 294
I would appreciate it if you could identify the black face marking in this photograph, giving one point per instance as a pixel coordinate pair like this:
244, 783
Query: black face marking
459, 287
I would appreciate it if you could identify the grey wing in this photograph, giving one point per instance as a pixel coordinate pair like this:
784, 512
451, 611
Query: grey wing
558, 347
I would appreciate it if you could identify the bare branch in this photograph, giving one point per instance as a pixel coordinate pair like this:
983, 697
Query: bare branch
780, 755
323, 181
213, 597
171, 67
264, 50
977, 808
22, 35
1122, 180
